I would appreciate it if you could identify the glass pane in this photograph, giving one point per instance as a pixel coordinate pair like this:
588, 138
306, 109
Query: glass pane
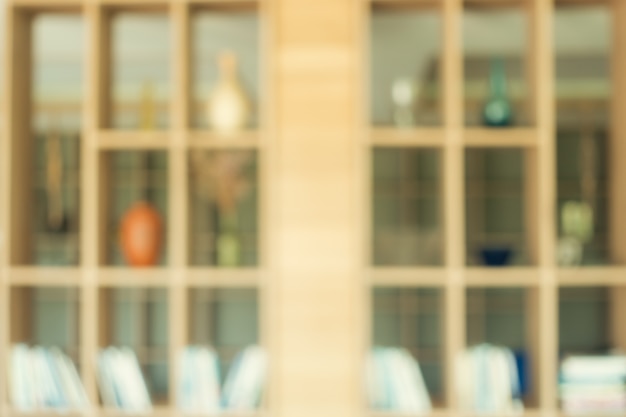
44, 339
224, 208
411, 318
216, 32
407, 207
497, 316
405, 59
135, 178
56, 124
495, 46
584, 320
140, 70
226, 319
139, 319
583, 88
495, 221
52, 318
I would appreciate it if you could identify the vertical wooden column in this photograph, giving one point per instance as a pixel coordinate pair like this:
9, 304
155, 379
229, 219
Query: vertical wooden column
314, 72
454, 192
177, 190
617, 153
541, 46
5, 246
617, 144
96, 68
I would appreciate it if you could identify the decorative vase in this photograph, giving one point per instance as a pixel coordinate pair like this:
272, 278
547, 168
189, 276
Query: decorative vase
228, 107
497, 111
141, 235
403, 95
228, 248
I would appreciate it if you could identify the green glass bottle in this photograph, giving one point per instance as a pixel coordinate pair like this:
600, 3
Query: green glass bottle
497, 111
228, 247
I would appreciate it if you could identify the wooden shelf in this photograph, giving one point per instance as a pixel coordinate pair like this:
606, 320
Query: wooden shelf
132, 140
158, 411
44, 276
436, 412
407, 276
592, 275
501, 137
133, 277
502, 276
495, 4
223, 278
209, 140
406, 4
397, 137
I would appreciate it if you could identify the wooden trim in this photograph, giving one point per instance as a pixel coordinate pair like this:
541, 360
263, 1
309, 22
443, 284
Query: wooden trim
420, 137
617, 146
133, 140
249, 139
407, 277
502, 277
133, 277
500, 138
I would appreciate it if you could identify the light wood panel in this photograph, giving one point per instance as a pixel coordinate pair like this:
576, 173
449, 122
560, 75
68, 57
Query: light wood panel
314, 72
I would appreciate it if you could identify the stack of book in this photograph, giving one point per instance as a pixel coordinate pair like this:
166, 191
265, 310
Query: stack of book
593, 384
395, 382
200, 391
44, 379
488, 381
121, 382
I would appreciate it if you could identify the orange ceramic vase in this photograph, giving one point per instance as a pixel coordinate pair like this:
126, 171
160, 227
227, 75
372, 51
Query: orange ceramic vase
141, 235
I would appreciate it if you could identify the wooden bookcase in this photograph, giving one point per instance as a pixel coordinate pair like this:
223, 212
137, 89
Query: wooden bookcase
100, 301
316, 279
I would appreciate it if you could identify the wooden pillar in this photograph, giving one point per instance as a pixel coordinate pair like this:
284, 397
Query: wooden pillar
314, 74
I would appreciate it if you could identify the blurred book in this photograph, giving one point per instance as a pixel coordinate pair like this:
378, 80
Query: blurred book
488, 381
395, 382
45, 379
593, 385
121, 382
245, 382
199, 390
199, 386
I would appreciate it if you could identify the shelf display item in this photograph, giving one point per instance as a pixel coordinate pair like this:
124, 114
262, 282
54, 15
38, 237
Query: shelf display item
403, 95
497, 111
56, 217
45, 379
488, 381
228, 109
245, 382
141, 235
395, 382
121, 382
221, 180
577, 226
496, 255
593, 385
199, 389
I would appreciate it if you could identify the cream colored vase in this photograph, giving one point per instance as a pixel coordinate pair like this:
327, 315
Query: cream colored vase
228, 107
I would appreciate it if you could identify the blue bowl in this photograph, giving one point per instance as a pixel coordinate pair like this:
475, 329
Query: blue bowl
496, 256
